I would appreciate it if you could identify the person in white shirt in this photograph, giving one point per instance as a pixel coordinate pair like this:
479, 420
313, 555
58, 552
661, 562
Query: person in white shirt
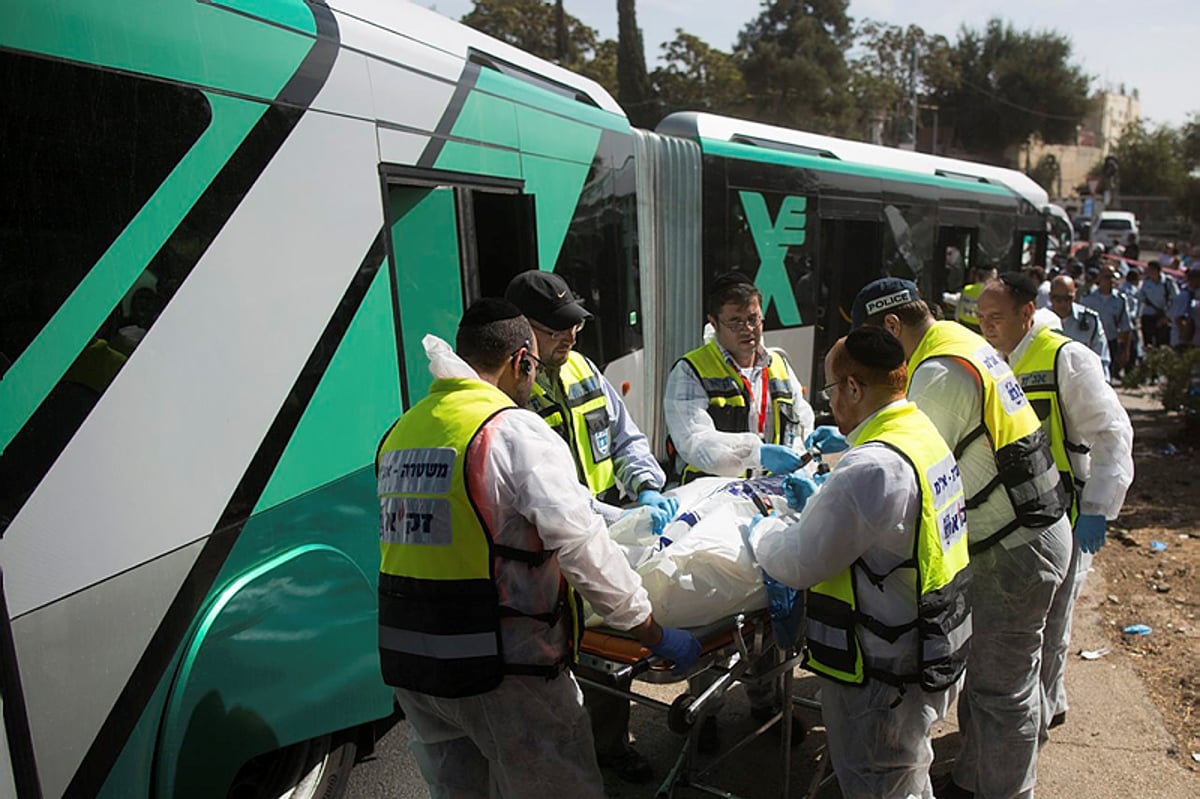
1020, 539
484, 532
873, 525
1091, 439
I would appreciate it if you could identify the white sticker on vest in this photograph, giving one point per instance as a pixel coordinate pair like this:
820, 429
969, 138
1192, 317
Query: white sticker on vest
1011, 395
415, 520
952, 523
993, 361
416, 471
945, 479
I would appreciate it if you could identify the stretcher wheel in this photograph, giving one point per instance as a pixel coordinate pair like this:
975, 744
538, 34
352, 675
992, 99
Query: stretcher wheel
677, 721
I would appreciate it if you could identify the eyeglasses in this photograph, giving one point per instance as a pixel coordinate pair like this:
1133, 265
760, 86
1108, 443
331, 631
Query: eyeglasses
749, 323
558, 335
827, 392
517, 352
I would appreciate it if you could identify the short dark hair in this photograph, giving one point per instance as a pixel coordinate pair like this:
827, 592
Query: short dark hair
731, 287
485, 341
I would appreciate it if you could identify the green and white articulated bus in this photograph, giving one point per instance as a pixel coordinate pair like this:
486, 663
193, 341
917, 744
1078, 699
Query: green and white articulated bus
226, 225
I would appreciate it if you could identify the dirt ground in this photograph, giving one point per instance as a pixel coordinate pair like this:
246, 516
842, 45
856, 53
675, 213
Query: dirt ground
1155, 586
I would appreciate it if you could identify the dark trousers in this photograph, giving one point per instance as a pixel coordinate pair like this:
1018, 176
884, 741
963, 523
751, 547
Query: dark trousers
610, 720
1153, 334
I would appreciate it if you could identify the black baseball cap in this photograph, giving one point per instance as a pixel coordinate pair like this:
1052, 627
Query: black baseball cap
547, 299
881, 294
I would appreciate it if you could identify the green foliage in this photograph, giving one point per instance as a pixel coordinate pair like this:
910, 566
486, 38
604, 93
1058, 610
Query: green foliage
697, 77
880, 74
634, 90
793, 62
530, 25
1190, 140
1179, 387
1011, 85
1152, 161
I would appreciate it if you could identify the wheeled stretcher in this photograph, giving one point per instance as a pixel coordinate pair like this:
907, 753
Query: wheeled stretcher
739, 648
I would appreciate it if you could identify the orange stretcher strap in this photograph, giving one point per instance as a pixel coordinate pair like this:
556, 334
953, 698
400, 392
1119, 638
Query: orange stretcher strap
620, 648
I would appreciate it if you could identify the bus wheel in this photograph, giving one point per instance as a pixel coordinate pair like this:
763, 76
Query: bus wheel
315, 769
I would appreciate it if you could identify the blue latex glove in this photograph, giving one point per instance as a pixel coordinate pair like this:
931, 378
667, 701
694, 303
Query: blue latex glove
797, 488
659, 519
826, 439
781, 599
1089, 532
679, 647
778, 459
655, 499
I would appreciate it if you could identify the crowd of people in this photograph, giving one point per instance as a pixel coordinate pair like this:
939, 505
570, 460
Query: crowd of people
1120, 307
941, 556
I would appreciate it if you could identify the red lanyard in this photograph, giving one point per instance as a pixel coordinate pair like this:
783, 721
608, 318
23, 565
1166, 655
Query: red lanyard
762, 409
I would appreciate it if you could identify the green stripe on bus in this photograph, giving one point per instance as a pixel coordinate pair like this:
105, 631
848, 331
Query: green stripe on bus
46, 359
357, 399
171, 39
747, 152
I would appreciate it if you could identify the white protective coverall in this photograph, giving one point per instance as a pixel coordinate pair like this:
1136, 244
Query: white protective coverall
1093, 418
1012, 586
700, 443
529, 736
868, 507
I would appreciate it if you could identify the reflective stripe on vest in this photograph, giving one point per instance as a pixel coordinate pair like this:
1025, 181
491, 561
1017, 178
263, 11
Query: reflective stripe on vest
1024, 463
728, 402
589, 434
942, 615
967, 312
1037, 370
440, 617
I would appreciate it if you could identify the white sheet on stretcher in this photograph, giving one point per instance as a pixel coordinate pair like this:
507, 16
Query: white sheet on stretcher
699, 570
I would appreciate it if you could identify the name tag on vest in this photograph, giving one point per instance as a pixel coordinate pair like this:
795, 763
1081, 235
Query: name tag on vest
416, 471
415, 520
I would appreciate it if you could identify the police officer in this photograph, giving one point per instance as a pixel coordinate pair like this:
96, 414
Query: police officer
485, 535
1090, 437
1078, 322
1019, 537
888, 616
611, 456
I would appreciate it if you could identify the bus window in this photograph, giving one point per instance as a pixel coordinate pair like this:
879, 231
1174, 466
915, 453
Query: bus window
850, 258
78, 171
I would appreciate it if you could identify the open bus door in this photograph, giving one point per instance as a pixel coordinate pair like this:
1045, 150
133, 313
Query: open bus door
851, 252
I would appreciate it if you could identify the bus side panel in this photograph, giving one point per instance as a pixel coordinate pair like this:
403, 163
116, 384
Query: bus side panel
294, 635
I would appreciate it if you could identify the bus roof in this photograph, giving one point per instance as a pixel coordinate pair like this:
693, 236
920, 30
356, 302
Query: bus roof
710, 126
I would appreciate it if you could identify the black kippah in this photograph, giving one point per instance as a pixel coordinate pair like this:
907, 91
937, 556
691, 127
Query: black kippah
1020, 285
875, 348
487, 310
728, 279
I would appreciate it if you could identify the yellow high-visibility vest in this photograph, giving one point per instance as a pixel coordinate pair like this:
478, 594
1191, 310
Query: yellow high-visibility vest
943, 614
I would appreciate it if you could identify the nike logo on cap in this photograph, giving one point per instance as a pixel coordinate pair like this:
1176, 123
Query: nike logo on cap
561, 294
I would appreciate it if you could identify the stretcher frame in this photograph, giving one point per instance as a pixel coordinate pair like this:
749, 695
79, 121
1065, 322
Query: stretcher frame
734, 646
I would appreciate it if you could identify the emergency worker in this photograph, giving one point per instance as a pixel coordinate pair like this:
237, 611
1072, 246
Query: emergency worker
732, 406
1019, 537
611, 456
967, 311
1090, 437
485, 535
888, 615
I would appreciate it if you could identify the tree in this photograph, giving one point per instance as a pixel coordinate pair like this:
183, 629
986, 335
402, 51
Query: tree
698, 77
634, 90
1190, 136
880, 75
793, 62
1011, 85
532, 26
1152, 161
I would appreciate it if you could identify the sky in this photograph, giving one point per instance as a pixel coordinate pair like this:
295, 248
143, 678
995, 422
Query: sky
1149, 45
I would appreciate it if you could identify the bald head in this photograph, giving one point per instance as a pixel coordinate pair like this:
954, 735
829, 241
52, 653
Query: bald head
1062, 294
